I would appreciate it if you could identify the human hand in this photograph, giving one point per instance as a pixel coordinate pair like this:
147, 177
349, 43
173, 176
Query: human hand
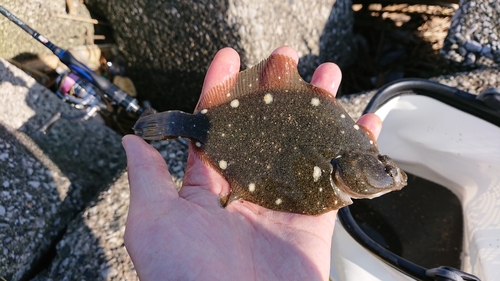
186, 235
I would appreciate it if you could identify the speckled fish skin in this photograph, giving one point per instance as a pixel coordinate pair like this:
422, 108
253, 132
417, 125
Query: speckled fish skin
282, 143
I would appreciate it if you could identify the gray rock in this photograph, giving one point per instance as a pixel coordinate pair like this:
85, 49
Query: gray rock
474, 26
46, 178
473, 46
337, 43
39, 15
486, 51
170, 44
93, 248
473, 82
470, 59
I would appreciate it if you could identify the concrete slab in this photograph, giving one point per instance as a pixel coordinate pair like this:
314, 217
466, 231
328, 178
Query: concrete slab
46, 179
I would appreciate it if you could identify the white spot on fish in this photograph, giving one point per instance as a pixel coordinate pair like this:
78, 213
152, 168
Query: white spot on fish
342, 132
251, 187
204, 111
316, 173
268, 98
278, 201
250, 85
371, 142
198, 144
315, 101
356, 126
320, 189
223, 164
228, 94
223, 134
235, 103
342, 116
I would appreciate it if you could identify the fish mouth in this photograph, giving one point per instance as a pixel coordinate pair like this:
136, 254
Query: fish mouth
400, 180
398, 176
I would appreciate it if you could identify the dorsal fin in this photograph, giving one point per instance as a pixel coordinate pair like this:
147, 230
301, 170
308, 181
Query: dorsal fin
276, 72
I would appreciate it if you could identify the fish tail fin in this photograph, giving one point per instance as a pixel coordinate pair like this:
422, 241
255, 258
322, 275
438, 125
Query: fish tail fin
172, 124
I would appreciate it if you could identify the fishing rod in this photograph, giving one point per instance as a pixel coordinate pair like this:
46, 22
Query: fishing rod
105, 87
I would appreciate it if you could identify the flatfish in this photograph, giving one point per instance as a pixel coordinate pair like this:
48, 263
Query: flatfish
280, 142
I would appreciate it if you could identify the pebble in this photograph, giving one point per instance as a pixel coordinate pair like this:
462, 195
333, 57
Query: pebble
486, 51
34, 184
473, 46
475, 30
474, 81
462, 51
28, 196
2, 211
4, 156
470, 59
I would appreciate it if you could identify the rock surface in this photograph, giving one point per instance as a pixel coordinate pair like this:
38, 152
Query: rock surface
473, 82
170, 44
68, 190
46, 179
40, 15
92, 247
473, 37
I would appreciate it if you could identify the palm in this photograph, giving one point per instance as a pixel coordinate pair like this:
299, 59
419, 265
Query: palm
198, 239
186, 235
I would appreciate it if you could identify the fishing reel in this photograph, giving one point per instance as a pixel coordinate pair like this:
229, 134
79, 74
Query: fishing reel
80, 94
89, 100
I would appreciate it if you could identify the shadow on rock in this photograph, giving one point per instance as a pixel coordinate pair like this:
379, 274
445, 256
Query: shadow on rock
48, 178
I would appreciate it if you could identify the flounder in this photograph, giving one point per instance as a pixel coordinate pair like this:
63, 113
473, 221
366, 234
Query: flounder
280, 142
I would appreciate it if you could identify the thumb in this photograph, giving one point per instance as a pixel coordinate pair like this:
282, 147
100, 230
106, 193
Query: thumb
150, 182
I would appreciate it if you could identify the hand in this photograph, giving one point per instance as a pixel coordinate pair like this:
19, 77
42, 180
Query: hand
186, 235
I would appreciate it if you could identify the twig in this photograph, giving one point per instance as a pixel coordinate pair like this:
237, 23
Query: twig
93, 21
71, 8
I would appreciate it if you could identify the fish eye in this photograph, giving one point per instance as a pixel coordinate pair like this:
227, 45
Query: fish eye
391, 170
383, 158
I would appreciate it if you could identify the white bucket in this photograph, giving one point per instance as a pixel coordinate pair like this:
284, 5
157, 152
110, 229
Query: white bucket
457, 150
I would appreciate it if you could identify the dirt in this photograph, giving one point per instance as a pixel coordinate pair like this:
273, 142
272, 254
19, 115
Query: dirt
397, 41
